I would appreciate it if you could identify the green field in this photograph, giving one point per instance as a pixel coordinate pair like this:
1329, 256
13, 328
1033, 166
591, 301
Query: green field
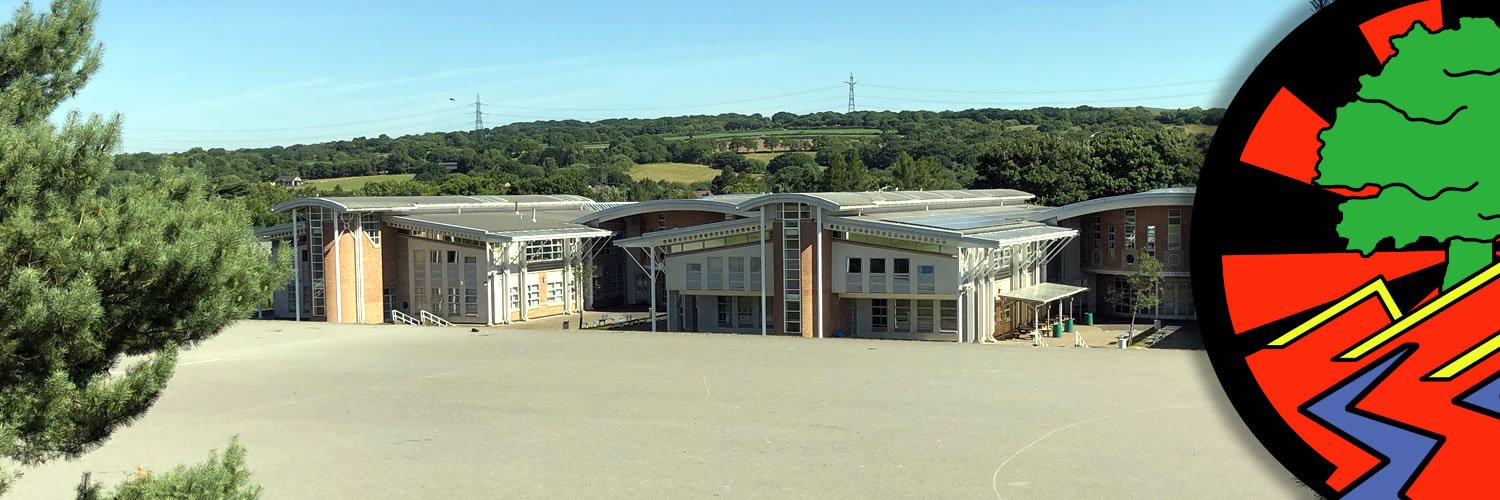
806, 132
674, 172
1198, 128
765, 157
353, 183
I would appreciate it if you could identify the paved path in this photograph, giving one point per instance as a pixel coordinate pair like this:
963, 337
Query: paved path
376, 412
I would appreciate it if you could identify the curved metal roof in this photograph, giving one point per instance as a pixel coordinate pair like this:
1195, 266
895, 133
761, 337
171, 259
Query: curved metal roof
724, 204
844, 201
409, 203
1182, 196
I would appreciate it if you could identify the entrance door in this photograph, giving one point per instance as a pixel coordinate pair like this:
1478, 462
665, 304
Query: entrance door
852, 326
389, 302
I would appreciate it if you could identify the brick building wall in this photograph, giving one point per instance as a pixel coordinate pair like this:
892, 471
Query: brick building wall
1172, 260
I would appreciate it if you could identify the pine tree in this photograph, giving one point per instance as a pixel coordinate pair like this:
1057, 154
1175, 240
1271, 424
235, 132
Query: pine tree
906, 172
850, 175
154, 265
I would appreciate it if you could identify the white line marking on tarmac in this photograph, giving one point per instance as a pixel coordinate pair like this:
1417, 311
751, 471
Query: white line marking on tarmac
199, 361
705, 386
995, 478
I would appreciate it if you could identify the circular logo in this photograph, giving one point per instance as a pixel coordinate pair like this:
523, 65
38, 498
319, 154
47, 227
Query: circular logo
1344, 250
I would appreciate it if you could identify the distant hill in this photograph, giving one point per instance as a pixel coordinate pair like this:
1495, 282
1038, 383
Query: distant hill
1095, 151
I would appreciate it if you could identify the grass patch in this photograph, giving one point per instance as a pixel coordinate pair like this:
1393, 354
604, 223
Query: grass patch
765, 157
1198, 128
674, 172
353, 183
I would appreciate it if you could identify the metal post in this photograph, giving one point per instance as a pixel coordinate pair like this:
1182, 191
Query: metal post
567, 298
960, 295
489, 284
651, 254
818, 268
359, 267
505, 284
296, 267
765, 275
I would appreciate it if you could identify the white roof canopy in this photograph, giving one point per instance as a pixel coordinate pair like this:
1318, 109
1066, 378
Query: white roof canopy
1043, 293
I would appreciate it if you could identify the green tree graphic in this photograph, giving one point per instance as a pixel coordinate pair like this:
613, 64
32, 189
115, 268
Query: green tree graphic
1423, 130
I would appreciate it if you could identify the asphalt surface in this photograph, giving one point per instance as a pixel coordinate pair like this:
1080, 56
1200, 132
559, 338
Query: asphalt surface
375, 412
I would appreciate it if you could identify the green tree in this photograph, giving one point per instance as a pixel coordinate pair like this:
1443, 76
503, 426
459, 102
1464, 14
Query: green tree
788, 159
1317, 5
154, 266
729, 182
1142, 289
1420, 136
398, 188
913, 174
847, 175
796, 179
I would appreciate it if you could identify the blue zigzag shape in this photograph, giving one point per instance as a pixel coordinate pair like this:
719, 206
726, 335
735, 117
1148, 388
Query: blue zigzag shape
1484, 397
1402, 450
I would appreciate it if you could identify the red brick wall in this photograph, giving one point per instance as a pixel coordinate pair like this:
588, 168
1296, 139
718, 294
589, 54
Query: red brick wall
1144, 216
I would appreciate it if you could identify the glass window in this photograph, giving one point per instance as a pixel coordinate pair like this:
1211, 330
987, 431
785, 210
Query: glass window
1130, 229
903, 266
1174, 229
533, 295
877, 266
452, 257
723, 310
925, 269
715, 273
855, 264
1151, 240
902, 320
736, 273
542, 251
948, 310
744, 311
695, 276
371, 226
1111, 241
554, 292
879, 315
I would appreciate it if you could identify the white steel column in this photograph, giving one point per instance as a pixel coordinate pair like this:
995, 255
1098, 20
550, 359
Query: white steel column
765, 275
672, 305
522, 293
818, 322
296, 267
489, 284
567, 290
505, 283
359, 268
651, 256
960, 291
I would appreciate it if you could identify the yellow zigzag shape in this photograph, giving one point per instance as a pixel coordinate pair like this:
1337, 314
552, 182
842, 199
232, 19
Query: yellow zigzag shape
1402, 324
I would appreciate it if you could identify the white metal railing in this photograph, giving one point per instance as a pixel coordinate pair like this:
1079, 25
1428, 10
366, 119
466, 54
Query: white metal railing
401, 317
430, 318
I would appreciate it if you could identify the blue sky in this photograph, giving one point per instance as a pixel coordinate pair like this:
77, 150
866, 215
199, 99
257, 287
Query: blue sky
252, 74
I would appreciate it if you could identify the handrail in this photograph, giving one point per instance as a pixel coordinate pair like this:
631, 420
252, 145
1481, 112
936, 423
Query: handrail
401, 317
433, 318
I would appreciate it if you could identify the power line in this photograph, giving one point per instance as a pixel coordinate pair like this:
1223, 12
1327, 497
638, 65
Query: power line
1036, 103
308, 127
1073, 91
684, 106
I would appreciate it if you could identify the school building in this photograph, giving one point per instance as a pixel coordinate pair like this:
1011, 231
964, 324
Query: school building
1115, 233
933, 265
